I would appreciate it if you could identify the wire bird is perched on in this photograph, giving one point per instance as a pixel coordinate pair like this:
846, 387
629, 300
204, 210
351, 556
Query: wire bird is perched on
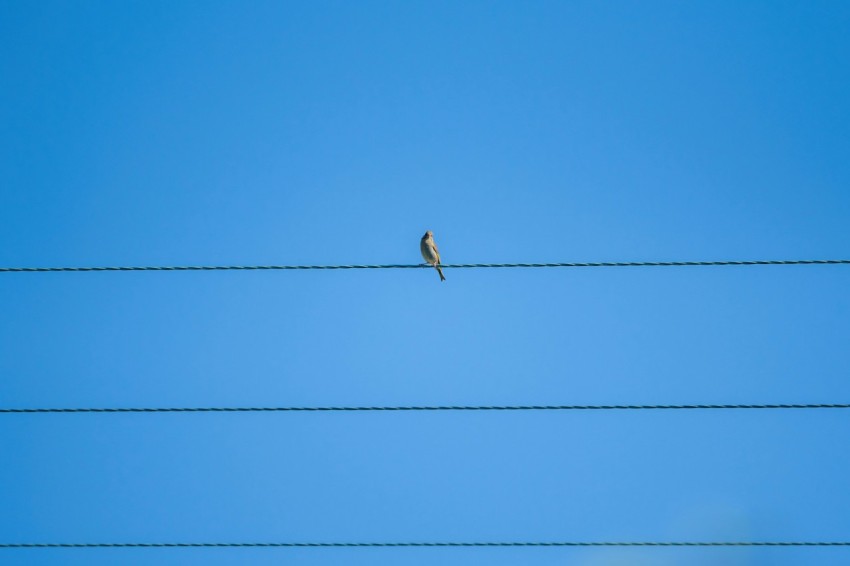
430, 252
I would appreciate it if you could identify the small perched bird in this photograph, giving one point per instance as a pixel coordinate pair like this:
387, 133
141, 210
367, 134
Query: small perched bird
430, 252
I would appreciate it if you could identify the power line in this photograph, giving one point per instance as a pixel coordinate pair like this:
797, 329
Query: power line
422, 544
423, 408
423, 266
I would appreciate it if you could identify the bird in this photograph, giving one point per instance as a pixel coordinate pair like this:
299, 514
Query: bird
430, 252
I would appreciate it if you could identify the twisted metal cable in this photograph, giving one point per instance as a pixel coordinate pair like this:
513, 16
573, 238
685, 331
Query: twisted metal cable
419, 544
424, 266
417, 408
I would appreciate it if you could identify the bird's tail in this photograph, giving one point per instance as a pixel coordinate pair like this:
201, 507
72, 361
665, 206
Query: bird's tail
440, 271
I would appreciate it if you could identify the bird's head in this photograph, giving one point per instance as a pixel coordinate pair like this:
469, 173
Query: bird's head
428, 234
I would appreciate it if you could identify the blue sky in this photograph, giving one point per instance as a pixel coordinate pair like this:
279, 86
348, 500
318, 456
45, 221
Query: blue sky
160, 133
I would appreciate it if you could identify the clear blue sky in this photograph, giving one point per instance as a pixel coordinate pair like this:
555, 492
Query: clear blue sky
162, 133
